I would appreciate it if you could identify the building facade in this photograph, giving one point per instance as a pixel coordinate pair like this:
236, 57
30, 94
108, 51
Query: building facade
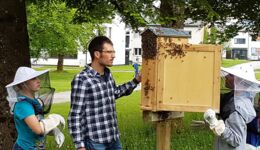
244, 47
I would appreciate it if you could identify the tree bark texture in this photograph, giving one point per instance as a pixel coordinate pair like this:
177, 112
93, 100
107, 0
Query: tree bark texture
60, 62
14, 52
171, 9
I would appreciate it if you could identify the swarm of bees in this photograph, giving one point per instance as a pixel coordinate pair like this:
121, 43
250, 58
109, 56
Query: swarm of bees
173, 49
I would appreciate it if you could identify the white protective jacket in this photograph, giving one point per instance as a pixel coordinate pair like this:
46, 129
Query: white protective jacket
234, 136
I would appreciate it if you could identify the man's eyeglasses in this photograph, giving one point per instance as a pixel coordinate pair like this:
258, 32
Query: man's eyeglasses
109, 52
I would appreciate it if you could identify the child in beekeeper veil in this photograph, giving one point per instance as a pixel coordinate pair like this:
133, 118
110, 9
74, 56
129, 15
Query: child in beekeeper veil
30, 97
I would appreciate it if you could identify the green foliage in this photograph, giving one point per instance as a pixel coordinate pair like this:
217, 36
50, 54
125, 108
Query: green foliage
244, 14
52, 32
94, 11
210, 37
213, 35
172, 13
135, 13
206, 36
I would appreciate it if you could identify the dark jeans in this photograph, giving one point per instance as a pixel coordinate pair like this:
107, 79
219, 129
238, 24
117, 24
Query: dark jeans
114, 145
17, 147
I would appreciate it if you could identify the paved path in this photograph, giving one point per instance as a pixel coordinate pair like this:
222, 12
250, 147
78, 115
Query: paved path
62, 97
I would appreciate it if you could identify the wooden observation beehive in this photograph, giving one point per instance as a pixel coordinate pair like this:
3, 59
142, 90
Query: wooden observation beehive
177, 76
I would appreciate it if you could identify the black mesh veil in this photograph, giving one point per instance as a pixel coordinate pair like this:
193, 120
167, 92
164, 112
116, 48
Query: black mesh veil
46, 92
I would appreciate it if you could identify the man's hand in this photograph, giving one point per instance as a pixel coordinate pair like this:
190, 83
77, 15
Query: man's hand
139, 76
82, 148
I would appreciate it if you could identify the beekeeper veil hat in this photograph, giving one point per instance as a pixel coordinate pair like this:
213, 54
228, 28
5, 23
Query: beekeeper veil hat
23, 74
242, 80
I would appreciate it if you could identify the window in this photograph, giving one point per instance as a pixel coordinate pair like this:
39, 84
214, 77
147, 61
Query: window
138, 51
190, 33
240, 41
255, 51
127, 39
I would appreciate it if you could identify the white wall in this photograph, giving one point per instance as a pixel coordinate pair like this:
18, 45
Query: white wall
196, 34
117, 36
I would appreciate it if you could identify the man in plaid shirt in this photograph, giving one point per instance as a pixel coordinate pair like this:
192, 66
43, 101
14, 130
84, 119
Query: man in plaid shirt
92, 118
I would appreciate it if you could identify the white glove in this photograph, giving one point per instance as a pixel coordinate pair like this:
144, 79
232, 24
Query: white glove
250, 147
51, 122
58, 135
210, 118
219, 128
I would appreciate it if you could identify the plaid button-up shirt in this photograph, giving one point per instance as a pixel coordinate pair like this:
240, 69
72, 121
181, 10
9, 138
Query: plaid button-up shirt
93, 113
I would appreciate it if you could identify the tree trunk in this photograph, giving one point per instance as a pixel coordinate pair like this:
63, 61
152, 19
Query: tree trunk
14, 52
172, 12
60, 62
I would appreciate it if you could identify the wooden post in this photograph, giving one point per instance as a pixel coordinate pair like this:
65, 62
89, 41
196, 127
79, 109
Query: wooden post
161, 116
163, 135
163, 122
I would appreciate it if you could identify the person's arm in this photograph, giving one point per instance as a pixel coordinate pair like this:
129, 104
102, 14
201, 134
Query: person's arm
25, 111
33, 123
235, 129
126, 88
44, 126
77, 106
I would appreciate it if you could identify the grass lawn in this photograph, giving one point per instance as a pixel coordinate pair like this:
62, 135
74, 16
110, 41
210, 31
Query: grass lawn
61, 80
139, 135
232, 62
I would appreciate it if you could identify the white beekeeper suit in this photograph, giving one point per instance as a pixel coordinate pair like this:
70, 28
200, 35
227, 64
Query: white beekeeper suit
236, 108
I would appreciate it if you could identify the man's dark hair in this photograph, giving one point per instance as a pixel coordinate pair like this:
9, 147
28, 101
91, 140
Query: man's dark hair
97, 43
